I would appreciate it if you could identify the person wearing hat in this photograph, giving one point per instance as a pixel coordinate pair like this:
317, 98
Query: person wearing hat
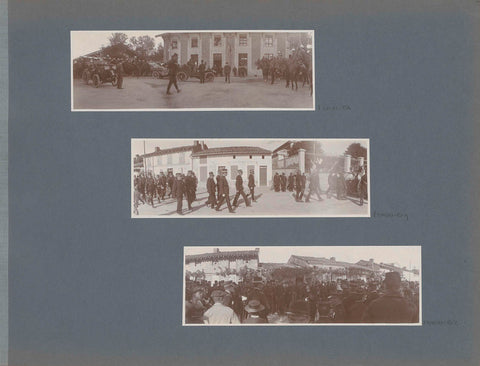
314, 186
240, 191
219, 313
211, 187
254, 308
119, 69
391, 307
362, 184
251, 185
178, 191
194, 308
173, 67
299, 186
223, 192
190, 188
226, 70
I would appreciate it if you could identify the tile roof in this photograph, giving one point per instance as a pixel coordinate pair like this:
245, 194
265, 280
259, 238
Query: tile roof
171, 150
233, 150
248, 254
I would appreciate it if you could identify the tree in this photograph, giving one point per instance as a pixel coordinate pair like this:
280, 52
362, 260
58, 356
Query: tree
144, 46
118, 38
356, 150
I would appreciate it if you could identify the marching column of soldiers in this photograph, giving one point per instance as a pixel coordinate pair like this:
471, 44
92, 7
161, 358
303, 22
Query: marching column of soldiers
148, 187
343, 301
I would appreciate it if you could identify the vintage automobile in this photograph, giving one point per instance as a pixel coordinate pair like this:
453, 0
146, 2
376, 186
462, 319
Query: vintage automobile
187, 72
159, 71
99, 73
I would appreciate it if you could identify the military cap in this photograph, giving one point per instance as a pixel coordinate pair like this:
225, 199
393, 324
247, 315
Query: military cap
218, 294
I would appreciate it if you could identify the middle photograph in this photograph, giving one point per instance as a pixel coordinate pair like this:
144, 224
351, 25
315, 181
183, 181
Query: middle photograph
275, 177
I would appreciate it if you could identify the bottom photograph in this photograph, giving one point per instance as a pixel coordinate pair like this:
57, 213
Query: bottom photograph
302, 285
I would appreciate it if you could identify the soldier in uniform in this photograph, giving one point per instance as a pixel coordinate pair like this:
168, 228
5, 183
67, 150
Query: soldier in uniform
251, 185
170, 183
283, 182
150, 187
119, 67
391, 307
211, 187
162, 186
240, 191
190, 188
179, 190
276, 182
173, 67
226, 70
299, 186
291, 182
314, 186
201, 70
362, 185
223, 192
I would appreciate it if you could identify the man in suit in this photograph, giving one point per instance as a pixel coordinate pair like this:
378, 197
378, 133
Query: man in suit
314, 186
223, 192
211, 187
276, 182
173, 67
201, 70
226, 70
179, 190
240, 191
251, 185
190, 188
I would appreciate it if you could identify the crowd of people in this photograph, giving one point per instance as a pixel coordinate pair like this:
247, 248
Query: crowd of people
148, 188
337, 183
343, 301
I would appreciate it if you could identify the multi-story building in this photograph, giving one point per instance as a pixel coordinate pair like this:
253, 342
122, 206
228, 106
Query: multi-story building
239, 49
218, 266
234, 158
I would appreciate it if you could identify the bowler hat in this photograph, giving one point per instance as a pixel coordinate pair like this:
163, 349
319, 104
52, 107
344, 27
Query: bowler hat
392, 280
254, 306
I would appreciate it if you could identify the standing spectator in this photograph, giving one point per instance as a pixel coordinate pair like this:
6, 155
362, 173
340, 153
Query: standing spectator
211, 190
219, 313
251, 185
172, 73
227, 69
201, 70
223, 192
254, 309
179, 190
120, 72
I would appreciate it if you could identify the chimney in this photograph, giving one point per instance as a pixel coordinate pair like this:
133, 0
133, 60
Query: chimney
216, 250
332, 259
195, 143
157, 149
371, 260
202, 144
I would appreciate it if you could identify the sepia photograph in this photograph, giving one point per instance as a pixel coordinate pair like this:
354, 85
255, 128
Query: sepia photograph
192, 70
230, 178
307, 285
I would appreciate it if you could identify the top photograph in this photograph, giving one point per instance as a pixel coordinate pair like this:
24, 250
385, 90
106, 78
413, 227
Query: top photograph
189, 70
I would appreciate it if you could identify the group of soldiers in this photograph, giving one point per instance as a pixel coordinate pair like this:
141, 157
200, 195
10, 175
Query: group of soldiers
147, 187
356, 301
336, 183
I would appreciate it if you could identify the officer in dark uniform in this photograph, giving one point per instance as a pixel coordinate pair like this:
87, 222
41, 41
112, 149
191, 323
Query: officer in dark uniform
173, 67
392, 307
299, 186
314, 186
211, 187
276, 182
119, 67
251, 185
190, 188
240, 191
291, 182
223, 192
150, 185
179, 190
362, 185
283, 182
201, 70
226, 70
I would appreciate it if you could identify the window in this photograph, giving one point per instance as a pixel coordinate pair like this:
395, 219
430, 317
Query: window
217, 41
194, 43
268, 41
174, 45
279, 54
242, 40
268, 55
242, 59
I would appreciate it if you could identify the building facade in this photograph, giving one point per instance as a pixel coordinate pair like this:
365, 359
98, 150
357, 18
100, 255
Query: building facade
221, 266
234, 158
239, 49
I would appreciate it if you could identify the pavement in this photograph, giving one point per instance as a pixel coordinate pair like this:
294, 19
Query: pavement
269, 203
150, 93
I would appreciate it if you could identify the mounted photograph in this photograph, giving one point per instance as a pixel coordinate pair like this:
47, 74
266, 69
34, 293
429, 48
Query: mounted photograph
230, 178
302, 285
160, 70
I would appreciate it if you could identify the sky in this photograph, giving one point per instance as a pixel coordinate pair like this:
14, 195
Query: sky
403, 256
84, 42
330, 146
